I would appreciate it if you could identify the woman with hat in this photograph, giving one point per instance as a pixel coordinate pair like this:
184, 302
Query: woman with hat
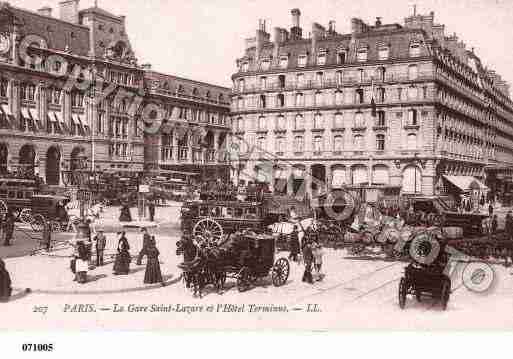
81, 263
153, 274
122, 262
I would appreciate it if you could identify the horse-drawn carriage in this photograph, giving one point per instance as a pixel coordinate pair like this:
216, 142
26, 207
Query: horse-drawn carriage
245, 256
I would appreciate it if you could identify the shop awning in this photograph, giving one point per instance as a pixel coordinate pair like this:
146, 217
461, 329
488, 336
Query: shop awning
51, 116
466, 183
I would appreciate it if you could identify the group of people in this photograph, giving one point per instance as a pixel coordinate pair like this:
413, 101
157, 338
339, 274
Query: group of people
126, 216
82, 257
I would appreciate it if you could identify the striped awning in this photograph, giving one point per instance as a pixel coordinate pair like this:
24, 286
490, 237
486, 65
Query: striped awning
51, 116
9, 118
76, 119
26, 114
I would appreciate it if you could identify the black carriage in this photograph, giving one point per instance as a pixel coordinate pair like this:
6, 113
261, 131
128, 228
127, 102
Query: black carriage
246, 257
52, 208
215, 220
420, 280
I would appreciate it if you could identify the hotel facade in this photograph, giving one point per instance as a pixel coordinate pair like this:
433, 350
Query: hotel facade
404, 107
47, 126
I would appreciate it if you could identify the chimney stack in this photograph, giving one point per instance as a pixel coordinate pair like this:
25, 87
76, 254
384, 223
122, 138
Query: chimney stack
45, 11
296, 32
69, 11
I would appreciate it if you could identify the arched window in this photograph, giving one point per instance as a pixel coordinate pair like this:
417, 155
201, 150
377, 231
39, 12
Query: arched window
411, 143
412, 180
383, 52
3, 87
412, 117
261, 145
380, 175
241, 88
338, 143
360, 175
262, 101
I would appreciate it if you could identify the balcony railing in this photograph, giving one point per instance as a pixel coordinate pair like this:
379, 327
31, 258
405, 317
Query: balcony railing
183, 154
328, 83
167, 153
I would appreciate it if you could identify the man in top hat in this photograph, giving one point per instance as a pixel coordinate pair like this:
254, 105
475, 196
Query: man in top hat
146, 244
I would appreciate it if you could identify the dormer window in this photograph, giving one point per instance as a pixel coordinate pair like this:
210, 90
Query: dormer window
321, 58
301, 61
383, 52
245, 66
341, 57
361, 54
415, 49
284, 61
265, 64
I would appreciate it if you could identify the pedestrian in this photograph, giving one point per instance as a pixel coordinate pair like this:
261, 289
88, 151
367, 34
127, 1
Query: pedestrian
153, 274
308, 259
509, 225
8, 228
123, 258
81, 263
146, 243
490, 209
47, 235
101, 243
5, 283
151, 209
294, 245
495, 224
125, 215
318, 253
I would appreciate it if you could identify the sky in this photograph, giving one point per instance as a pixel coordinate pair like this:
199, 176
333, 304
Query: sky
201, 39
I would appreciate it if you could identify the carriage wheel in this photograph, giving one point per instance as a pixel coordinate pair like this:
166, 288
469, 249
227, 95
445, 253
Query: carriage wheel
445, 294
402, 293
243, 280
3, 208
38, 223
209, 230
280, 272
26, 216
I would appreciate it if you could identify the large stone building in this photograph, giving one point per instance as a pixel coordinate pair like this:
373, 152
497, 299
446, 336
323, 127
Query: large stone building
404, 106
71, 90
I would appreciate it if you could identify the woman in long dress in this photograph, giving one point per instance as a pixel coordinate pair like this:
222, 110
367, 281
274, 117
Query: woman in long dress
125, 215
153, 274
82, 263
123, 258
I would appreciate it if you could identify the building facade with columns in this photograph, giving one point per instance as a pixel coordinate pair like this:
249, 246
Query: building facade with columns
401, 106
71, 89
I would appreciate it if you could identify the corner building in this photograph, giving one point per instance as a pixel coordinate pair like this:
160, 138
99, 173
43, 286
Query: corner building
47, 127
404, 107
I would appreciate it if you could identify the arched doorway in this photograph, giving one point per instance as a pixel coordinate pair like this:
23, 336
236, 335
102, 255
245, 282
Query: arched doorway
318, 179
298, 180
412, 180
28, 159
4, 156
53, 166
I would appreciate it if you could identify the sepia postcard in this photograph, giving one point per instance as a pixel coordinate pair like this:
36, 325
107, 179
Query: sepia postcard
254, 165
